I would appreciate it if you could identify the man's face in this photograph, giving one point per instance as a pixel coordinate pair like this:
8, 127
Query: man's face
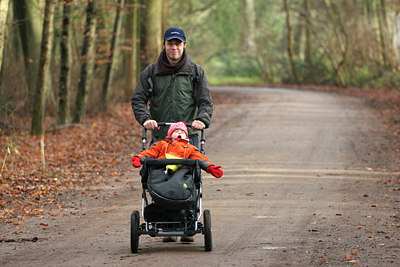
174, 49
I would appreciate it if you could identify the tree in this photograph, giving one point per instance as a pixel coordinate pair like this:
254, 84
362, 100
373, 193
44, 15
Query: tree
165, 15
65, 73
339, 31
382, 25
87, 63
290, 42
29, 20
4, 4
251, 25
307, 48
112, 55
44, 68
132, 36
152, 34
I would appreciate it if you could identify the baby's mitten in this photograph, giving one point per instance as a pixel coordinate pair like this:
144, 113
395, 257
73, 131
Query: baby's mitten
136, 162
215, 171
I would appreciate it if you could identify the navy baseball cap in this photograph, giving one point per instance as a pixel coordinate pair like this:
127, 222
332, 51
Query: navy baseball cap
174, 33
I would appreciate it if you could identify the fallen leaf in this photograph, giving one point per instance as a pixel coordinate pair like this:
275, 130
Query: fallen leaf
348, 257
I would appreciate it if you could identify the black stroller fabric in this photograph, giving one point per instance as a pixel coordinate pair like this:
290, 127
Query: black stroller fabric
174, 191
154, 213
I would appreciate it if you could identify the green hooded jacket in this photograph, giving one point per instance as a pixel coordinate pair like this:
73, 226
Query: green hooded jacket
181, 96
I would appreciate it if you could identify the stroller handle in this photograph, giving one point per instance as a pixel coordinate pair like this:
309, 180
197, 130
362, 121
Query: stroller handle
202, 137
170, 123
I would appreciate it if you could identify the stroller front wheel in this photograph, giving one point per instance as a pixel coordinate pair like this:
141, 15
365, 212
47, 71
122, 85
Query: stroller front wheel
135, 218
207, 231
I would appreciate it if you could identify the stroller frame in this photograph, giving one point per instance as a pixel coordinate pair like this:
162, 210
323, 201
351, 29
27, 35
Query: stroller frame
188, 223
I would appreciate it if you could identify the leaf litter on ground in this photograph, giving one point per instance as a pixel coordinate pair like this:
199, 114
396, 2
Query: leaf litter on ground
77, 158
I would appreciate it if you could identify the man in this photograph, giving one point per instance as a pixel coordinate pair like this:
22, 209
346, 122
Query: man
176, 88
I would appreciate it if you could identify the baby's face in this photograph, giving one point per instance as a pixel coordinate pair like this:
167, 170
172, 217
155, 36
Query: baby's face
178, 134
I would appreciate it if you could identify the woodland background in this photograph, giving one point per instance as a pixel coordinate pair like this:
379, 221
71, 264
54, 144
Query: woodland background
88, 54
69, 68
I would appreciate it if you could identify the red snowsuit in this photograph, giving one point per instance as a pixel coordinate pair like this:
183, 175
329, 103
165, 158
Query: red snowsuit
178, 148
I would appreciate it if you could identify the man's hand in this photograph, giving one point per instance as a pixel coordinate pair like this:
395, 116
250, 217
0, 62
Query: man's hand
150, 124
198, 125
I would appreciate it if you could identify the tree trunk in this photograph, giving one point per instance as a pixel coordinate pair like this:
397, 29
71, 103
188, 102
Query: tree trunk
342, 39
308, 48
152, 38
87, 63
137, 45
251, 26
44, 69
381, 32
290, 43
110, 67
65, 79
28, 15
4, 4
165, 11
131, 65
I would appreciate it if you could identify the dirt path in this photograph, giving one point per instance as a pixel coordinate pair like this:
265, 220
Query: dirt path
307, 182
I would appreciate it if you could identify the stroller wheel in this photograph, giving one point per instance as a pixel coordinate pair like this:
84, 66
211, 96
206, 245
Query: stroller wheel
135, 231
207, 231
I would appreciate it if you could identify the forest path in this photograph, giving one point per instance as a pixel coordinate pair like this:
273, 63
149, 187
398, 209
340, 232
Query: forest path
302, 185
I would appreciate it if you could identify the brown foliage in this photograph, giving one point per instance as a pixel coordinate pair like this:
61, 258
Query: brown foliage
76, 158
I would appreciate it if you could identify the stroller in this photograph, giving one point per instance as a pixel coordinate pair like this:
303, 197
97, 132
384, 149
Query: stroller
171, 212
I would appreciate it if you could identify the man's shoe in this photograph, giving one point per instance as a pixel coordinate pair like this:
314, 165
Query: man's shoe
169, 239
186, 238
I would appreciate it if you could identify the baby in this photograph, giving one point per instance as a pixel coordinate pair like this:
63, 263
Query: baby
176, 146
